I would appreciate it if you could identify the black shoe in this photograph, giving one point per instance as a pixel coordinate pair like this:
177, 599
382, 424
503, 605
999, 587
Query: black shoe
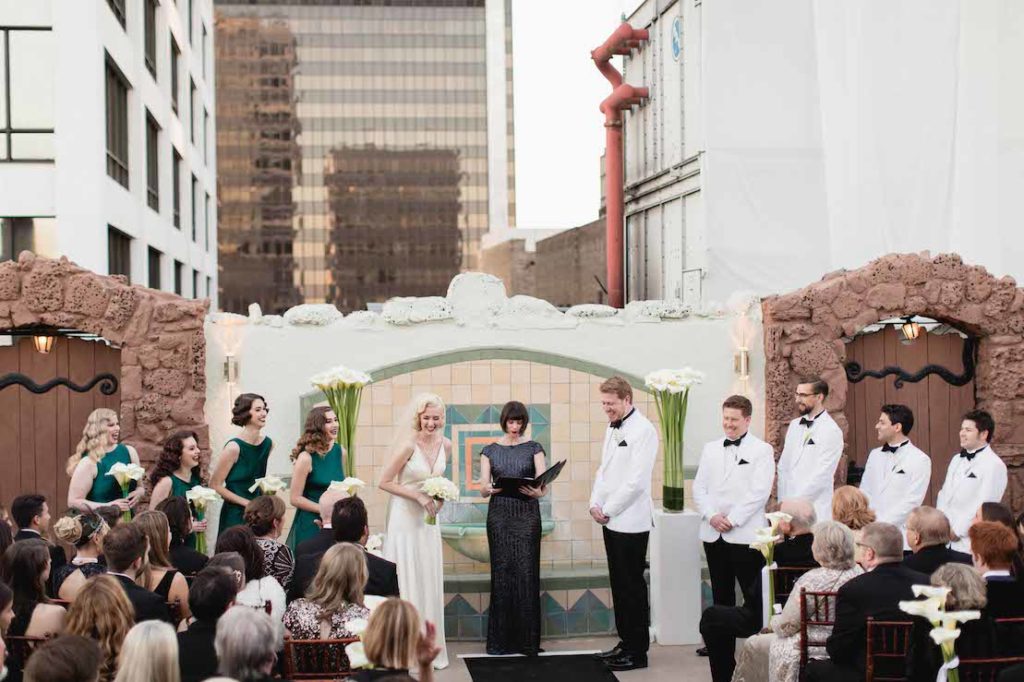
703, 651
614, 652
627, 662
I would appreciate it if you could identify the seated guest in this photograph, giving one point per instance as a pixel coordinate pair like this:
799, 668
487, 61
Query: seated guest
394, 641
211, 594
125, 551
179, 518
233, 562
6, 536
26, 569
1000, 513
32, 516
875, 594
796, 548
85, 532
928, 534
109, 513
349, 523
102, 612
851, 508
6, 609
246, 645
261, 591
149, 652
265, 517
158, 575
325, 538
777, 653
68, 658
334, 599
993, 558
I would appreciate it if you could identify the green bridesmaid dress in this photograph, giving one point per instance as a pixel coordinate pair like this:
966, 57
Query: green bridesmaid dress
178, 489
251, 464
105, 488
326, 468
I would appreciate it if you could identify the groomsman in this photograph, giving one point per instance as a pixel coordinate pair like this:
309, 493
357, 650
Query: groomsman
975, 475
814, 444
621, 503
897, 473
733, 483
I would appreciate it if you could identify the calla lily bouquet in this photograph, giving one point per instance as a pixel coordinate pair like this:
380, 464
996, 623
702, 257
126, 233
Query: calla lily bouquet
355, 652
350, 486
767, 537
268, 485
671, 389
441, 489
200, 497
944, 631
375, 543
124, 474
343, 388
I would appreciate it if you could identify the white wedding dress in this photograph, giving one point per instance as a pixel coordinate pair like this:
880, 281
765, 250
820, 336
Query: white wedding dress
415, 547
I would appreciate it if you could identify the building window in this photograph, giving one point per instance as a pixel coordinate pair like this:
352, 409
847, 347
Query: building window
155, 262
26, 94
206, 40
152, 163
16, 235
193, 97
117, 7
117, 125
179, 269
176, 182
206, 136
190, 21
149, 22
175, 67
119, 253
195, 206
195, 284
209, 286
207, 223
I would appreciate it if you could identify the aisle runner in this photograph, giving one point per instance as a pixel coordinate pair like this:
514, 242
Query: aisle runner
538, 669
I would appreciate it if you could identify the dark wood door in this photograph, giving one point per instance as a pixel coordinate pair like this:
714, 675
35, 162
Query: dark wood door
39, 432
937, 405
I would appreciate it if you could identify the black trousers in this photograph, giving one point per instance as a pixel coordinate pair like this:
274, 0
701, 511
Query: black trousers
627, 556
720, 626
729, 563
827, 671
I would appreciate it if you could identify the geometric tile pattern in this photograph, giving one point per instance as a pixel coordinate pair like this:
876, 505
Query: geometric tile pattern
564, 613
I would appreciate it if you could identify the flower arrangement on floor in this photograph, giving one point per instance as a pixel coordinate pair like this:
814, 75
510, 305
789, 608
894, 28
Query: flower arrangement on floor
944, 632
200, 497
441, 489
268, 485
671, 389
124, 474
350, 486
767, 537
343, 388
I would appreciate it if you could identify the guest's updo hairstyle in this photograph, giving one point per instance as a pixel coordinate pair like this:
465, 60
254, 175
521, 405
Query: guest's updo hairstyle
243, 404
514, 411
262, 511
79, 528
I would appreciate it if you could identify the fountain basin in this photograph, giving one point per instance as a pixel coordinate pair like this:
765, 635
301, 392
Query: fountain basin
470, 539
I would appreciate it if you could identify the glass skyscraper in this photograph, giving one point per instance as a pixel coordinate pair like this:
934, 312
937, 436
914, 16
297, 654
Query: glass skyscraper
364, 146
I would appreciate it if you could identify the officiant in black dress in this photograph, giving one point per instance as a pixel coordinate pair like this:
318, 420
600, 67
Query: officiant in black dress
513, 533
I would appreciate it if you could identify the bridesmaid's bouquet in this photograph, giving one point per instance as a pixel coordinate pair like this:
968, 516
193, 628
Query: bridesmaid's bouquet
441, 489
350, 486
124, 474
200, 497
268, 485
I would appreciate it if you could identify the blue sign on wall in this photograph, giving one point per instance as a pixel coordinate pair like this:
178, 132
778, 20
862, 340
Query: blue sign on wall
677, 37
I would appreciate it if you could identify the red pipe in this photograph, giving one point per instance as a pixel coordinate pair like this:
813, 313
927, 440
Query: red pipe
623, 96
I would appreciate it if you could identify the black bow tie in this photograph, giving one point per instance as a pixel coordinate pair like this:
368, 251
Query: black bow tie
617, 424
736, 442
893, 448
970, 455
804, 421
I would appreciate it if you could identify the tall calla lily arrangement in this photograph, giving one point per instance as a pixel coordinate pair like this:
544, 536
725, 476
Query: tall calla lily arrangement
944, 631
767, 537
671, 389
343, 388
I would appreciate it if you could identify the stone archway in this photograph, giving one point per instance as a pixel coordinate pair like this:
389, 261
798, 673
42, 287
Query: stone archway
804, 331
161, 337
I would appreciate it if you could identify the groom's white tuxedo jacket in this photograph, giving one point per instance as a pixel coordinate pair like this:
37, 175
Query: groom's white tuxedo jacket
735, 481
622, 487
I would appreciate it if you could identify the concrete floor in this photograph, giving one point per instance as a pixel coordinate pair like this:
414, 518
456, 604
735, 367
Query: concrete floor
673, 663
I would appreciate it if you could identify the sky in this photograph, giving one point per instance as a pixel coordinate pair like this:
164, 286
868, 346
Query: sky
559, 130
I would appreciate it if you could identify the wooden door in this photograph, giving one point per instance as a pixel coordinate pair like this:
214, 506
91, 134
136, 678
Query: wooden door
937, 405
39, 431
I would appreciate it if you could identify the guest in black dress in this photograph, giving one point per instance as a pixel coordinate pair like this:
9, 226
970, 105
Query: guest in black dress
513, 533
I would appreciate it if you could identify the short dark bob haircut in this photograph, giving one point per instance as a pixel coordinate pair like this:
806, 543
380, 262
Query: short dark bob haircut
514, 411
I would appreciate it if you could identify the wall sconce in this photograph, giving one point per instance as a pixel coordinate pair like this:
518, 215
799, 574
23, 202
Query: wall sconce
43, 344
910, 329
231, 369
741, 363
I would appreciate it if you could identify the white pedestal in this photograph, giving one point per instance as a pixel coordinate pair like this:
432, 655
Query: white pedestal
675, 578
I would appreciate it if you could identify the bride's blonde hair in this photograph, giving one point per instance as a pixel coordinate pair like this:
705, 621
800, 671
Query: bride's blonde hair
408, 425
94, 438
421, 403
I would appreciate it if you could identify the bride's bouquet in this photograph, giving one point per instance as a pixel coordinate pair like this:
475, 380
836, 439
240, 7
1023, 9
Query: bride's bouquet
441, 489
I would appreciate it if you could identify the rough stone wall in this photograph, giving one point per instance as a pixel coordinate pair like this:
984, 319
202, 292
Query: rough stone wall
163, 347
804, 332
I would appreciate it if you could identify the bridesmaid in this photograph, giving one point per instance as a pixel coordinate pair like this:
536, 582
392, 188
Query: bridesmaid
97, 452
176, 472
318, 460
243, 459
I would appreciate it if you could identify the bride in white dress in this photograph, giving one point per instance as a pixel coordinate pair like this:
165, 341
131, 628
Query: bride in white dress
411, 543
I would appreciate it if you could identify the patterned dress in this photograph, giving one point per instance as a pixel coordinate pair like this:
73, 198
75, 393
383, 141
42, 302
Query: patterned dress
303, 621
251, 464
278, 561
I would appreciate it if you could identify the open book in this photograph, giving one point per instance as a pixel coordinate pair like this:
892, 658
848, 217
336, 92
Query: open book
512, 485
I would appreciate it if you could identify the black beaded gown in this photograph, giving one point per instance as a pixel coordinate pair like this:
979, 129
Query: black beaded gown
513, 533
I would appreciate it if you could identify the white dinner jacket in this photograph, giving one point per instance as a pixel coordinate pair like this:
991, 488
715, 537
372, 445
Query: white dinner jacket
622, 486
735, 481
895, 483
968, 484
807, 466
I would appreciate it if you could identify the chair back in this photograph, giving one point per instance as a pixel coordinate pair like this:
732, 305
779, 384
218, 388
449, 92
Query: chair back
1007, 650
888, 642
316, 659
20, 647
816, 609
784, 579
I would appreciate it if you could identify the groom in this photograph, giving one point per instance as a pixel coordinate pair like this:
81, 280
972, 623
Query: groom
621, 503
